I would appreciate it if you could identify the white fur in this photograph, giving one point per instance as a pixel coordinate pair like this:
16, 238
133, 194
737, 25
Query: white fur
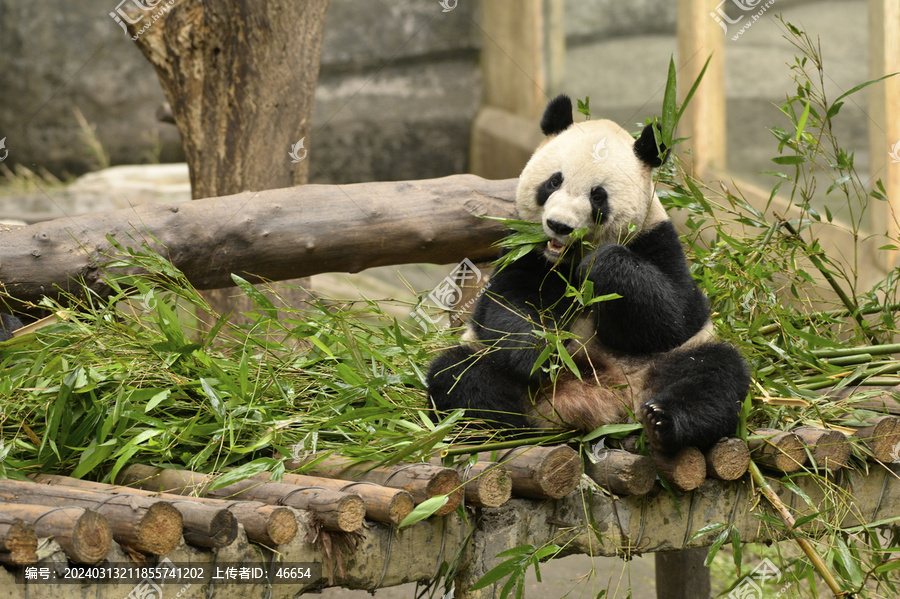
625, 177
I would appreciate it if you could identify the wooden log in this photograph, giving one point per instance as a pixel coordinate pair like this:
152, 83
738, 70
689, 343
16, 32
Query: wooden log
540, 472
422, 481
882, 438
829, 448
621, 472
140, 523
728, 459
778, 450
84, 535
487, 484
18, 541
204, 525
273, 234
684, 471
383, 504
337, 511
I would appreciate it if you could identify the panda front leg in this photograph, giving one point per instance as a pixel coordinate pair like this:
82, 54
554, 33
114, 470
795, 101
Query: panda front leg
696, 397
463, 377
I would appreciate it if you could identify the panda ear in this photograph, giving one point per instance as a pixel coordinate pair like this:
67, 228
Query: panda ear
557, 116
645, 148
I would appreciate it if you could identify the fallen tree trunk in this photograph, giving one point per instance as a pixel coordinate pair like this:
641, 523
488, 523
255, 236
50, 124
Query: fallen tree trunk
273, 235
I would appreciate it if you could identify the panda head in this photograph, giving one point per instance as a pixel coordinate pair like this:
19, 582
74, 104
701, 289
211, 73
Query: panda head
591, 175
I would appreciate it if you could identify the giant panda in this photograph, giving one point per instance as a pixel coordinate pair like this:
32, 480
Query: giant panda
650, 354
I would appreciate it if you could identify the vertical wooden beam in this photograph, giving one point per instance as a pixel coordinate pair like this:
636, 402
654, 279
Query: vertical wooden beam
884, 115
522, 61
699, 37
682, 575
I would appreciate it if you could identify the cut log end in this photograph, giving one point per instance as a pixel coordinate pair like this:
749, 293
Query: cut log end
446, 482
829, 448
159, 531
400, 506
728, 459
882, 439
559, 472
622, 473
488, 485
351, 512
91, 538
18, 543
281, 526
778, 450
685, 471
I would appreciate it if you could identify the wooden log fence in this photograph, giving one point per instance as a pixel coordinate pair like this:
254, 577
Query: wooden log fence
274, 235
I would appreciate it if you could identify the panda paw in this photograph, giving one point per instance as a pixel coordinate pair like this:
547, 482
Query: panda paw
661, 429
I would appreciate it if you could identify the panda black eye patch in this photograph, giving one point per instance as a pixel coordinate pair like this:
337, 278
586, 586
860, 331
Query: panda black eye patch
546, 188
599, 204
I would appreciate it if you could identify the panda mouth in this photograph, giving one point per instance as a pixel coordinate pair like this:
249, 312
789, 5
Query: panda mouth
555, 246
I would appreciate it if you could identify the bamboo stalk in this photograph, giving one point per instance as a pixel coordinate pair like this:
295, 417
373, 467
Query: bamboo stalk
785, 515
18, 541
141, 523
204, 525
422, 481
337, 511
84, 535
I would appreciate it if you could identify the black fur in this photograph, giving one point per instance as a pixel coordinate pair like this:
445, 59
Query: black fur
8, 324
599, 205
557, 116
547, 188
697, 392
698, 397
661, 306
646, 149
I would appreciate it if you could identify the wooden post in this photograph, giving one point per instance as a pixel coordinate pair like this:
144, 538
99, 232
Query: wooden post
522, 63
699, 37
884, 116
682, 574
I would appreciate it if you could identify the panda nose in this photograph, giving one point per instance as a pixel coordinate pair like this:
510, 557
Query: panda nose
558, 227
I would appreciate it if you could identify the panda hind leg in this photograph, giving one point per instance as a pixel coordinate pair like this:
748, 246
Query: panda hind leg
696, 397
463, 377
